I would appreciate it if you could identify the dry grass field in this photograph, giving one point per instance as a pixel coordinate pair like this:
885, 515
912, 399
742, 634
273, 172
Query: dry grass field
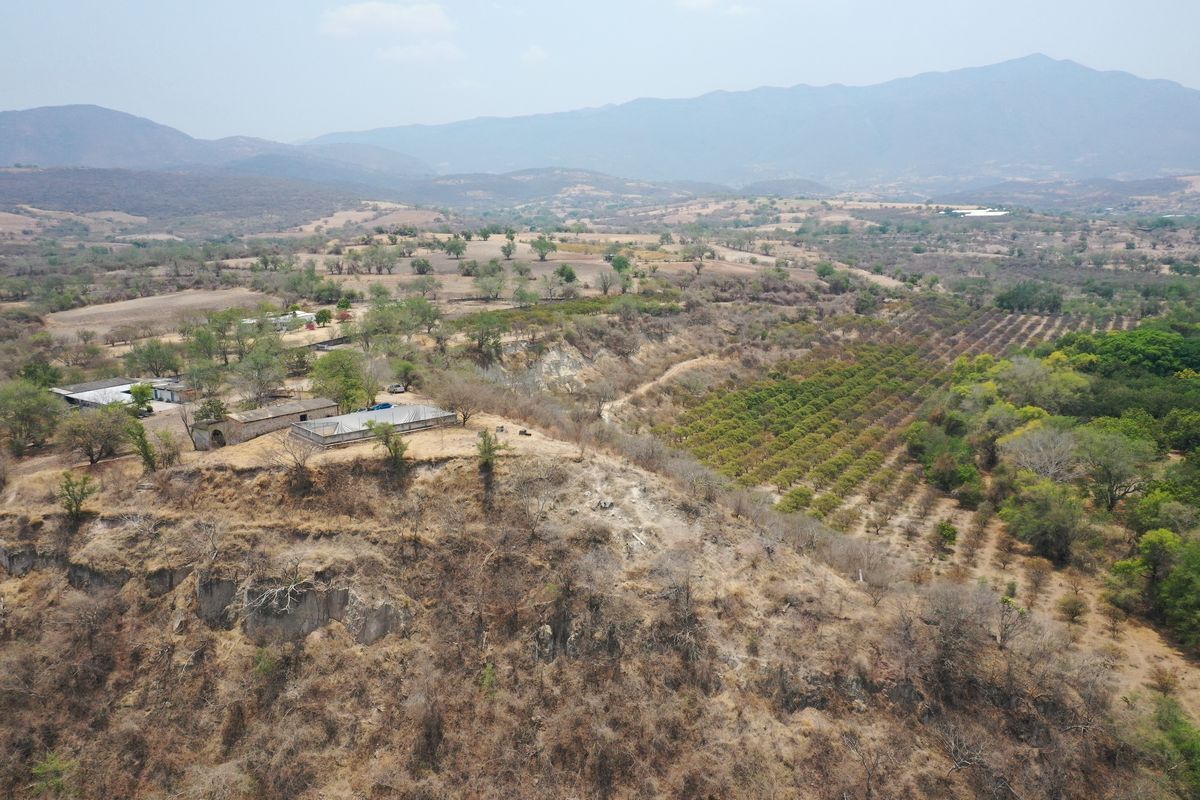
160, 312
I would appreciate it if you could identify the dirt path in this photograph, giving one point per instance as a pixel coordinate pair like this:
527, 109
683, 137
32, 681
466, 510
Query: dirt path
672, 372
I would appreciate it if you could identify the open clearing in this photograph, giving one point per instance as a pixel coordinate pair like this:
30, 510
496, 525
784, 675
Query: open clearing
151, 311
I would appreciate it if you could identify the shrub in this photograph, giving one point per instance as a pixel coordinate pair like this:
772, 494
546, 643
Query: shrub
1072, 608
73, 493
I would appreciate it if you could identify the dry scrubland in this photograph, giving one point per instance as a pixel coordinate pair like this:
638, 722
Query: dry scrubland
602, 615
566, 627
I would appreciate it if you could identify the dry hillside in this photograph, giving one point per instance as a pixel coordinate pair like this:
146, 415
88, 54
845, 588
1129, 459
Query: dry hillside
562, 628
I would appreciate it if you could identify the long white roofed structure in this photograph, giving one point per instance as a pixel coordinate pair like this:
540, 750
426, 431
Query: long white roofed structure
350, 428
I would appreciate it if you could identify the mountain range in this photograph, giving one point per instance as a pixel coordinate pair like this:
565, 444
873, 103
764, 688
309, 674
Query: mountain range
1033, 118
96, 137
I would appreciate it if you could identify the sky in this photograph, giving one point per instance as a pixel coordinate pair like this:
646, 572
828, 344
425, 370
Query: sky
293, 69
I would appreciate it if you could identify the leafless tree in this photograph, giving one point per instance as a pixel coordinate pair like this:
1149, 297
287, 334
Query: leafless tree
535, 488
877, 581
1047, 452
185, 416
599, 394
461, 394
581, 427
293, 454
1037, 574
879, 519
868, 757
279, 598
963, 750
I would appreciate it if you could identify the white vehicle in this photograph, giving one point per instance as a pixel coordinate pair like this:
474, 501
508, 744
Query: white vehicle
396, 388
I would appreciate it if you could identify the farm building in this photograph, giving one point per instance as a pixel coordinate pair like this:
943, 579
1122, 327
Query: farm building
282, 322
350, 428
244, 425
174, 392
101, 393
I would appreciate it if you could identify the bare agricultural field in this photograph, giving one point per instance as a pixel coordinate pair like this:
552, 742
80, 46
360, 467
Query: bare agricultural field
407, 215
14, 224
368, 212
159, 311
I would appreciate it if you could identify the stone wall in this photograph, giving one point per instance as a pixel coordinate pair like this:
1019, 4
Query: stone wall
234, 431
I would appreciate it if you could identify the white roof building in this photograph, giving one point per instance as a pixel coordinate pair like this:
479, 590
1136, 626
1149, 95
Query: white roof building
103, 392
347, 428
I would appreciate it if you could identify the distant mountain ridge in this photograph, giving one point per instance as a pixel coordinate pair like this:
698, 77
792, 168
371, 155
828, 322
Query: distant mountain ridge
100, 138
1174, 195
936, 134
1032, 118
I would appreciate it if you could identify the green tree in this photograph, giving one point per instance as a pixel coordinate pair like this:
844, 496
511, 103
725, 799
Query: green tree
566, 272
155, 357
405, 373
211, 409
261, 371
1153, 350
1179, 596
425, 286
341, 375
1031, 382
324, 317
489, 450
621, 263
1115, 464
421, 312
137, 434
387, 437
422, 266
524, 297
625, 279
1158, 551
543, 247
1181, 428
947, 534
96, 433
73, 493
455, 246
140, 396
508, 250
28, 415
489, 287
1049, 517
41, 372
485, 332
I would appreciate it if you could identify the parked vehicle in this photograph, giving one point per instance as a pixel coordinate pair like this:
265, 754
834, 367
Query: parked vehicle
380, 406
396, 388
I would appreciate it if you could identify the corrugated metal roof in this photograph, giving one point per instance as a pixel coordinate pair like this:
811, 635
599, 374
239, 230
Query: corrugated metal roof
92, 386
356, 422
102, 397
283, 409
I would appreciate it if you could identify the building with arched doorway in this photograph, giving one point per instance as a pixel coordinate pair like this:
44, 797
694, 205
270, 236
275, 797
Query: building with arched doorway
243, 425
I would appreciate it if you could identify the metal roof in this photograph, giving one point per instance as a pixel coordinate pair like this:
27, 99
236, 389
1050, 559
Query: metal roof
92, 386
283, 409
356, 422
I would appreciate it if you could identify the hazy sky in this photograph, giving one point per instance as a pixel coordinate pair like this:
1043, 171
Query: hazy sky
292, 69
